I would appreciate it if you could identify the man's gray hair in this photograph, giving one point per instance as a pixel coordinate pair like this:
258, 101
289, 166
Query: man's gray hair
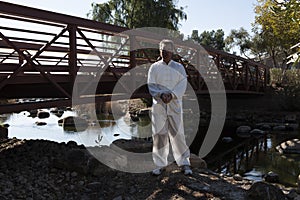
166, 42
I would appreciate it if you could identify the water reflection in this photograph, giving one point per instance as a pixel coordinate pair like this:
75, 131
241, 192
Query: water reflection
106, 120
286, 166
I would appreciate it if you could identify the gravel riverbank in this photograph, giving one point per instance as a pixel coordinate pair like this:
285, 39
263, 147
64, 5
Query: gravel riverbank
38, 169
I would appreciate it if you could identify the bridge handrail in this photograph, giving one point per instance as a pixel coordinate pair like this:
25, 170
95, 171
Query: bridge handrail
39, 14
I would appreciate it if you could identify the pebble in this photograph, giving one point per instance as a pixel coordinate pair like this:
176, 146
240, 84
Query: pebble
237, 177
132, 190
81, 183
118, 198
94, 185
74, 174
6, 191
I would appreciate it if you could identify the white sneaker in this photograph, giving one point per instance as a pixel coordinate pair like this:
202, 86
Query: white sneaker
157, 171
187, 170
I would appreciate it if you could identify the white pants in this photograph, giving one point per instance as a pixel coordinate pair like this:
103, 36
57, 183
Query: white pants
171, 131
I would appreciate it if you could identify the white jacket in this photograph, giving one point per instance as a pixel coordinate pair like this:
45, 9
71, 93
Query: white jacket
169, 78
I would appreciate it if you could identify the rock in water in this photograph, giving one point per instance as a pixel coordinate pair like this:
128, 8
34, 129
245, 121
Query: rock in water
43, 114
243, 131
271, 177
74, 124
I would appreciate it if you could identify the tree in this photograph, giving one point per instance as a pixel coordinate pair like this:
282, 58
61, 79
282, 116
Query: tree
278, 25
240, 39
214, 39
139, 13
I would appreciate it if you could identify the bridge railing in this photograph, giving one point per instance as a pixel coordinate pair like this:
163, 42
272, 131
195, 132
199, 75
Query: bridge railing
42, 53
240, 74
41, 47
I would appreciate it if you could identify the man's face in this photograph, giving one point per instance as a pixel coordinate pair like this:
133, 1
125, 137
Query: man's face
166, 52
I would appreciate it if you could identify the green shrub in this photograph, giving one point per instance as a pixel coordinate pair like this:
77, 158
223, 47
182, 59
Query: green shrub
286, 85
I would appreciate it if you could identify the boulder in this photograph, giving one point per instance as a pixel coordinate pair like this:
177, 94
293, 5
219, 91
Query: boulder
289, 147
257, 132
271, 177
60, 122
40, 123
279, 128
54, 110
57, 111
264, 126
197, 162
227, 139
263, 190
69, 109
74, 124
237, 177
72, 144
59, 114
43, 114
243, 131
32, 113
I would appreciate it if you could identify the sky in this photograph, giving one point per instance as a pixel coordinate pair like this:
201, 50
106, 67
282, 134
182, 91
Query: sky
202, 14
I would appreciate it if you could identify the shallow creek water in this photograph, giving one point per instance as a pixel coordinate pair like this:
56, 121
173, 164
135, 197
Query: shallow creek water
24, 127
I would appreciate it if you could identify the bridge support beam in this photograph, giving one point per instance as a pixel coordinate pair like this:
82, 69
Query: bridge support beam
72, 53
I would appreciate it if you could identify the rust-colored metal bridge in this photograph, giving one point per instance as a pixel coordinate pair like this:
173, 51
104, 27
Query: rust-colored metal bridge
43, 54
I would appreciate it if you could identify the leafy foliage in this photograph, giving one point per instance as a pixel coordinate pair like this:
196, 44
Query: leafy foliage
241, 39
287, 87
139, 13
278, 25
214, 39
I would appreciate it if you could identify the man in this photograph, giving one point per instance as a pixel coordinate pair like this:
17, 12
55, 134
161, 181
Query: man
167, 82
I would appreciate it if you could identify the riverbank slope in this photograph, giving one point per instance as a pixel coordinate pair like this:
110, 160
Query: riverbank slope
39, 169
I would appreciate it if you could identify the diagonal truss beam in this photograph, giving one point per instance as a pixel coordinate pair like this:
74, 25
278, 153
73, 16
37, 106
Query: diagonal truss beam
92, 47
106, 62
31, 63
